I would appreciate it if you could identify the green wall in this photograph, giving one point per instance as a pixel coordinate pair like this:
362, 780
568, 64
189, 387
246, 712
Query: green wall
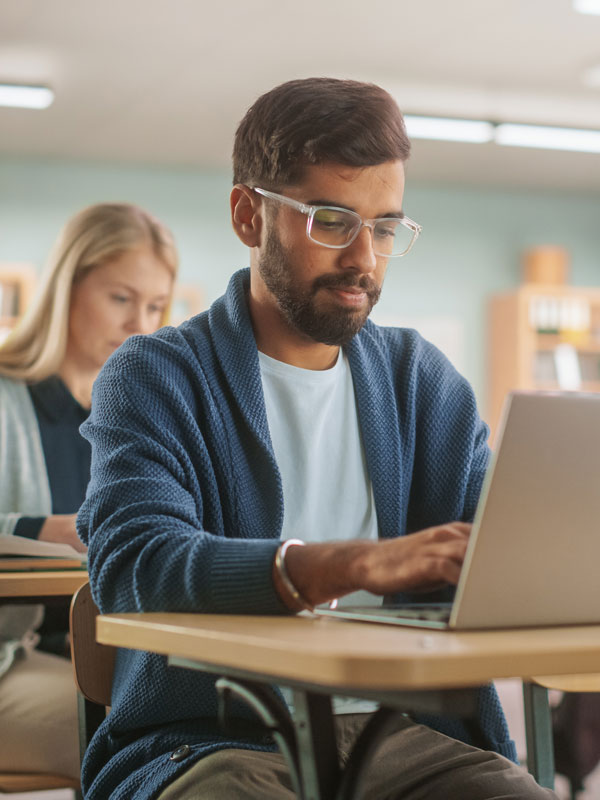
470, 247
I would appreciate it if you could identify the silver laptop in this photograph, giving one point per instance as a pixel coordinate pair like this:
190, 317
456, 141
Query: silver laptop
534, 553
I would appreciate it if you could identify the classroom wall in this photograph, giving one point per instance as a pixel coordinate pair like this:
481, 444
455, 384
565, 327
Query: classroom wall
470, 246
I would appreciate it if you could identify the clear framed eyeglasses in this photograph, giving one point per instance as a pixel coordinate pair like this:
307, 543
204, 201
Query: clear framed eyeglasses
338, 227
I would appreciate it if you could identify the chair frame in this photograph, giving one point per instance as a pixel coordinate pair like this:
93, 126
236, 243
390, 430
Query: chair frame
93, 666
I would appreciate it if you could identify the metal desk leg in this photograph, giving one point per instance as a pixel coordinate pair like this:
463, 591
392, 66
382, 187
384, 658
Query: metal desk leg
317, 748
538, 731
271, 710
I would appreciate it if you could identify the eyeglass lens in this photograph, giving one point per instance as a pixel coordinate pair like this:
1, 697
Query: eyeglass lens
336, 228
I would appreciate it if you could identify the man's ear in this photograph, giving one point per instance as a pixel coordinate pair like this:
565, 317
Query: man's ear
245, 214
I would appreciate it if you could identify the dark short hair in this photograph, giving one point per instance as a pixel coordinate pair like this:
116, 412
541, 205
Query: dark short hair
317, 121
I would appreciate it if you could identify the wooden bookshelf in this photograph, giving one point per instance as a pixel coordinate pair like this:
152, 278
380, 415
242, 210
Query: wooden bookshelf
188, 300
17, 284
526, 326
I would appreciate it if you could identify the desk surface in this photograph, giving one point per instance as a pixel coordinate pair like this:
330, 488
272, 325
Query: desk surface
40, 584
356, 654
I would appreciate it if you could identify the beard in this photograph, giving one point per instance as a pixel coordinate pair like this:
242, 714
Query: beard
298, 305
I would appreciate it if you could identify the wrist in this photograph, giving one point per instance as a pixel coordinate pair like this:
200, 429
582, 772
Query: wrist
288, 591
49, 531
326, 571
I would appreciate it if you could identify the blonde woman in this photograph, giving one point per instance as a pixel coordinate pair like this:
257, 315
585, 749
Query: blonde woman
109, 276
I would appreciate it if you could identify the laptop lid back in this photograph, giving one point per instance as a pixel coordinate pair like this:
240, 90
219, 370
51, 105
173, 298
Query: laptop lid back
534, 554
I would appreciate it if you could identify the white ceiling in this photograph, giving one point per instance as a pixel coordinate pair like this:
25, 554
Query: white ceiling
165, 81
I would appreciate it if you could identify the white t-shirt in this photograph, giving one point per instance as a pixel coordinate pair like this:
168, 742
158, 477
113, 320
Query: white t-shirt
317, 441
327, 491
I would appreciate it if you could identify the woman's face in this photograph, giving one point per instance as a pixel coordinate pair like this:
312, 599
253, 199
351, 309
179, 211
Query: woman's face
123, 296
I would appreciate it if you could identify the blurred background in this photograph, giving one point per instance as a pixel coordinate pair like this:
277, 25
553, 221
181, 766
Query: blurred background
147, 95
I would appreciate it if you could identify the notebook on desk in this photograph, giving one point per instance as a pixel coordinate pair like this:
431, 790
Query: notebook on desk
19, 553
533, 557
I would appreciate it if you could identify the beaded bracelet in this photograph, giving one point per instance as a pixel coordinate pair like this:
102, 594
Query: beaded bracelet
285, 578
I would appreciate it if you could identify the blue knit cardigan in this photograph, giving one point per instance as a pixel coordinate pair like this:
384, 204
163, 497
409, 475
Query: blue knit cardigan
185, 507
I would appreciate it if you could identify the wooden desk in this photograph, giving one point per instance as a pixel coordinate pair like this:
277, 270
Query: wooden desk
319, 657
40, 586
343, 655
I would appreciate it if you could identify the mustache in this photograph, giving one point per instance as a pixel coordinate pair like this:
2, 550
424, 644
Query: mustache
347, 281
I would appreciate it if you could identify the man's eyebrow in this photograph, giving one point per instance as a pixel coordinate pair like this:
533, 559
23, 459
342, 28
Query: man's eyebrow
333, 204
330, 203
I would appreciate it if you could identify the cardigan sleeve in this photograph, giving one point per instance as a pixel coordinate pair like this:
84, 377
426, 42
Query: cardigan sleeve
24, 488
153, 517
29, 527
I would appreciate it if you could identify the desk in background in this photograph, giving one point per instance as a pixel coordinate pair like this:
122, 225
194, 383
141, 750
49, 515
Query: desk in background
40, 586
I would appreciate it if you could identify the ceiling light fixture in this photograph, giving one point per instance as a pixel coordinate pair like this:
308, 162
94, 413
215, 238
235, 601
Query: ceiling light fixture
450, 130
15, 96
548, 138
504, 133
587, 6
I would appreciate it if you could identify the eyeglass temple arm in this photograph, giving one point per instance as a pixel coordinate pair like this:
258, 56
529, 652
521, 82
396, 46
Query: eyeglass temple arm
288, 201
414, 226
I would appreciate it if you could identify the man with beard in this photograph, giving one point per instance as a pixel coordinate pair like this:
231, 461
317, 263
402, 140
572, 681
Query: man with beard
280, 451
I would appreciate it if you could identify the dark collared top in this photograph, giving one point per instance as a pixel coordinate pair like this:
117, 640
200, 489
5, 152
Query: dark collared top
66, 452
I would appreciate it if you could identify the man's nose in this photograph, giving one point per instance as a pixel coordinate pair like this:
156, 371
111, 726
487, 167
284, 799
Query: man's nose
360, 253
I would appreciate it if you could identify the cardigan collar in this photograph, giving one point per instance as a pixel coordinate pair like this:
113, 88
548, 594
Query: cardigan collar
233, 338
234, 342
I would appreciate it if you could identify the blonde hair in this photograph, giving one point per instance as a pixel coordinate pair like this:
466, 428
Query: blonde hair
97, 234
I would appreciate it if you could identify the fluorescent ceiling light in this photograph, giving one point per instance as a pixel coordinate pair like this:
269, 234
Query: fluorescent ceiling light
453, 130
545, 137
587, 6
17, 96
506, 133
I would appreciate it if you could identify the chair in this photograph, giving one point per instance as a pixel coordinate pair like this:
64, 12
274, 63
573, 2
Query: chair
538, 723
93, 675
93, 666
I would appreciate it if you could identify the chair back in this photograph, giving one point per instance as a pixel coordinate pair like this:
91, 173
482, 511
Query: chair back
93, 663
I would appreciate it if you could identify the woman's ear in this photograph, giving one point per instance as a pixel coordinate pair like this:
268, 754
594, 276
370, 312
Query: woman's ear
245, 214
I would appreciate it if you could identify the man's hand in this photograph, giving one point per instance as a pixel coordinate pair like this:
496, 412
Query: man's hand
60, 528
421, 561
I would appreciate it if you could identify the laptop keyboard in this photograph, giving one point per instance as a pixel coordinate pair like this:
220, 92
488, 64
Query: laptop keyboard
434, 612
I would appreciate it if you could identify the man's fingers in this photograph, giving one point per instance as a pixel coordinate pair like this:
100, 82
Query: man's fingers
452, 531
463, 527
430, 557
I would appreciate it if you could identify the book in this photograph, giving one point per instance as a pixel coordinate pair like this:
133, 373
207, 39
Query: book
39, 555
18, 564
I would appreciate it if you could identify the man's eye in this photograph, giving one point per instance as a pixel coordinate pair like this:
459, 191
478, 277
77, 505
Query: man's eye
330, 220
119, 298
386, 230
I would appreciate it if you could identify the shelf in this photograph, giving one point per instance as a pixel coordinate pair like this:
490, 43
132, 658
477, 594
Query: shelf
550, 341
552, 386
17, 283
522, 358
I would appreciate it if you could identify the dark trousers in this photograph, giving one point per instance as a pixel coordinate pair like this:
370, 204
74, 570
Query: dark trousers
414, 763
